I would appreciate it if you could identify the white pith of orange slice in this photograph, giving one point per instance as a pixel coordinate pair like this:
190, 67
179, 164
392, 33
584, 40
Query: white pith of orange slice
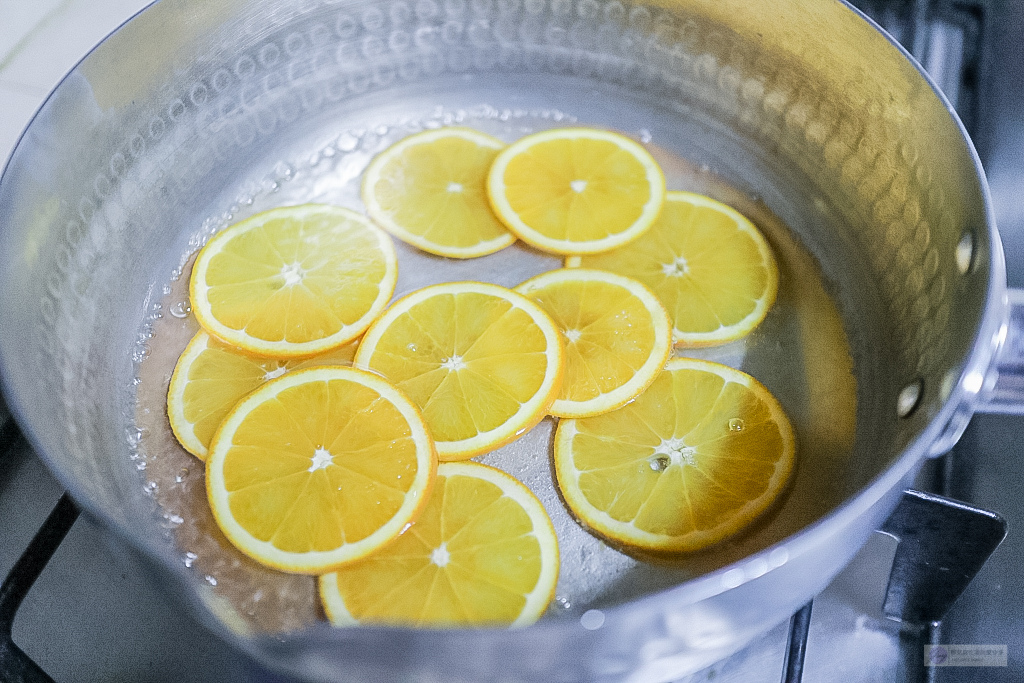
617, 336
708, 264
318, 468
211, 377
429, 190
576, 190
694, 459
293, 281
482, 553
482, 362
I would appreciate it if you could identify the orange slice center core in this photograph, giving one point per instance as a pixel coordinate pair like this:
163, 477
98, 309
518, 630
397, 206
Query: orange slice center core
321, 459
672, 452
440, 555
453, 363
292, 274
676, 268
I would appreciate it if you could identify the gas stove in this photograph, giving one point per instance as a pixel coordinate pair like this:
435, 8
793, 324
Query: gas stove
93, 616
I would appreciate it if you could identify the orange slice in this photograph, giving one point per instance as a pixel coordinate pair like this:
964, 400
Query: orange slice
576, 190
483, 553
428, 190
318, 468
293, 281
617, 336
483, 362
696, 458
211, 377
707, 263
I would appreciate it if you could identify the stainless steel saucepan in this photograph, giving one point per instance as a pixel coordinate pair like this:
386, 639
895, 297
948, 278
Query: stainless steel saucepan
893, 323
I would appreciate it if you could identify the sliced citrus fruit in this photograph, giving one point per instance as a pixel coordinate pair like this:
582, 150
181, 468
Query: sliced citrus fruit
293, 281
694, 459
707, 263
429, 190
617, 336
483, 553
211, 377
483, 362
319, 467
576, 190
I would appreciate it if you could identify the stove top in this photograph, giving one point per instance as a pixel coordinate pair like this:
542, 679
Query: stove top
92, 616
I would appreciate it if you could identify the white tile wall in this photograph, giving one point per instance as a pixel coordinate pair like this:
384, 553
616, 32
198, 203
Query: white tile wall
20, 17
40, 41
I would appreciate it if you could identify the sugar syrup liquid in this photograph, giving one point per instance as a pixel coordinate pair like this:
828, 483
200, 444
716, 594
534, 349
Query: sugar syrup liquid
800, 352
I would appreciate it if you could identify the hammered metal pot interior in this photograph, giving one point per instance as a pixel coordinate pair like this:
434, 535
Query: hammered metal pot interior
198, 113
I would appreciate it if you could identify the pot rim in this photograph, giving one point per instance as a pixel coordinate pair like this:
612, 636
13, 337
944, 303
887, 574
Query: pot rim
958, 405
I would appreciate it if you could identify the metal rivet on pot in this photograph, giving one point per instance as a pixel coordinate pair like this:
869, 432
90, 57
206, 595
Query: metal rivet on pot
755, 568
909, 398
733, 578
965, 252
778, 557
948, 383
